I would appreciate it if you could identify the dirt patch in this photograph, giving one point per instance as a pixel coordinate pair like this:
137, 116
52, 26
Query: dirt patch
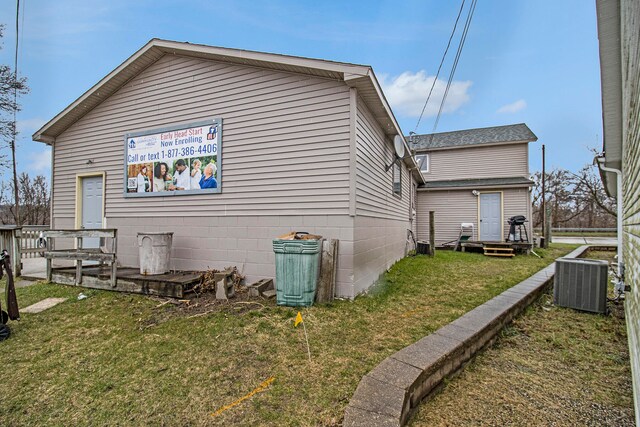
202, 304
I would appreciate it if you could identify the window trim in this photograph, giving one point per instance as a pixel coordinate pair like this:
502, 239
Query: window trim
396, 186
425, 162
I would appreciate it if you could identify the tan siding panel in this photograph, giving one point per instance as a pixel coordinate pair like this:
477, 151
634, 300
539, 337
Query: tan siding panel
452, 208
382, 219
285, 140
374, 196
630, 28
479, 162
516, 202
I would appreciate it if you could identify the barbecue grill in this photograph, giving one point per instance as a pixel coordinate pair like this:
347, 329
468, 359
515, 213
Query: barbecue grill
517, 229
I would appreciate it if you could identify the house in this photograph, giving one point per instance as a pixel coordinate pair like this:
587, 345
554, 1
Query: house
477, 176
228, 149
619, 40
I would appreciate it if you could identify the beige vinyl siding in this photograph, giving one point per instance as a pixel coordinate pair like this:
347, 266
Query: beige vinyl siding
516, 202
374, 151
285, 140
452, 208
630, 29
494, 161
382, 218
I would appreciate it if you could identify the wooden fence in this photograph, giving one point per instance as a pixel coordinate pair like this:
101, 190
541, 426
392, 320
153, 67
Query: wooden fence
10, 240
30, 242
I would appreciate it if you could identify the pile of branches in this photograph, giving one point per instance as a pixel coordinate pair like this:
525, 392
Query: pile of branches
236, 277
208, 283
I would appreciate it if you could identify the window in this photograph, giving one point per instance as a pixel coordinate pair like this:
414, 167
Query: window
397, 179
423, 162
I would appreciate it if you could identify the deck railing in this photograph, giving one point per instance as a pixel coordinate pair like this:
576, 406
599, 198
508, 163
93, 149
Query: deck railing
31, 245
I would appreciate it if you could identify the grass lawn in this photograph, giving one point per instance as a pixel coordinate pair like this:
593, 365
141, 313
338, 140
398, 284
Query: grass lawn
118, 359
552, 366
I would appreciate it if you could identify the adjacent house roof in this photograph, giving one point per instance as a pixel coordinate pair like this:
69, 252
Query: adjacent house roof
458, 184
360, 77
463, 138
608, 12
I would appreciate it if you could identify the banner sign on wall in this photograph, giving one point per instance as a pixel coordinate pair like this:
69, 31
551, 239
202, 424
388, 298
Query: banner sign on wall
181, 159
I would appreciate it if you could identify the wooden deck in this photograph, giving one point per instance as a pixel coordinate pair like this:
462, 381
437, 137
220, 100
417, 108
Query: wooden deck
479, 246
175, 285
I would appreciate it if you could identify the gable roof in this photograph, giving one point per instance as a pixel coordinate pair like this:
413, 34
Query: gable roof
360, 77
518, 133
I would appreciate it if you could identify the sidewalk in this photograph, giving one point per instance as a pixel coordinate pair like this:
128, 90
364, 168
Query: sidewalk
585, 240
34, 269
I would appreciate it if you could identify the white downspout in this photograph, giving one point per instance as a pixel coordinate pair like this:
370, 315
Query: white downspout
619, 285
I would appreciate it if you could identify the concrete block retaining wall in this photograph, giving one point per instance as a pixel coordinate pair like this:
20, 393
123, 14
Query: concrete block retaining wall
389, 394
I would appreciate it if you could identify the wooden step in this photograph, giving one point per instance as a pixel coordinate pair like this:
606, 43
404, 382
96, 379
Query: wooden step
498, 251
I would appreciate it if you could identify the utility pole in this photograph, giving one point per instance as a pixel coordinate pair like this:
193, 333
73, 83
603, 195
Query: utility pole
14, 126
544, 197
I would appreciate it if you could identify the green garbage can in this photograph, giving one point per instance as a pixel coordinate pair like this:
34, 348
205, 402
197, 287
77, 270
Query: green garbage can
297, 270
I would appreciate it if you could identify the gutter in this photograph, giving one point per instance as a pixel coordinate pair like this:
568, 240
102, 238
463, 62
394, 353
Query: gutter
475, 187
619, 282
423, 150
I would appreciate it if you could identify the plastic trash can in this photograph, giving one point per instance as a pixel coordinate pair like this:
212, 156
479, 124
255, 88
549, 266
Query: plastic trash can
155, 252
297, 271
423, 248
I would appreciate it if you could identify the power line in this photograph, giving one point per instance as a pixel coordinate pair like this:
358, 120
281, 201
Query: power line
15, 62
22, 35
455, 25
463, 38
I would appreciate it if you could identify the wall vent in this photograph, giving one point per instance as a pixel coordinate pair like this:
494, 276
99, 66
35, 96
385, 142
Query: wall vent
581, 284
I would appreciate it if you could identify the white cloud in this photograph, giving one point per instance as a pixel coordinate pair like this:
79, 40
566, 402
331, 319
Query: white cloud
41, 161
28, 126
514, 107
408, 92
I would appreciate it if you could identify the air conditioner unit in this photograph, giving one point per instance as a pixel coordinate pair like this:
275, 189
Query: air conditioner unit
581, 284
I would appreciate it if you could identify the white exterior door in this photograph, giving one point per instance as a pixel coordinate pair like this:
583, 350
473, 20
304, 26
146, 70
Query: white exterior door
91, 208
491, 217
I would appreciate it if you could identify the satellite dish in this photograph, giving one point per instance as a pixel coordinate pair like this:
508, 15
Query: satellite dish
398, 145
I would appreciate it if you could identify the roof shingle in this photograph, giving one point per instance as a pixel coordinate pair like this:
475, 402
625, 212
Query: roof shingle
492, 135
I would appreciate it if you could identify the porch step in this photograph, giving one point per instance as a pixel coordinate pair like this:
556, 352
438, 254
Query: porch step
498, 251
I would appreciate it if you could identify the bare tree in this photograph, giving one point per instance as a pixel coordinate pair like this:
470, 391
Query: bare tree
575, 199
34, 200
10, 87
590, 185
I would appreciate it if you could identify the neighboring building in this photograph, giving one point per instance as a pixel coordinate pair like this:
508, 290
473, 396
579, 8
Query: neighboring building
619, 37
275, 143
478, 176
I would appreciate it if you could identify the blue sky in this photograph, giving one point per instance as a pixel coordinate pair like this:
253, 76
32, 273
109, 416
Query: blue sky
531, 61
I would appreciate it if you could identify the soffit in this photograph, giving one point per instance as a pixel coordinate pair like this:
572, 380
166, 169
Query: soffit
608, 12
